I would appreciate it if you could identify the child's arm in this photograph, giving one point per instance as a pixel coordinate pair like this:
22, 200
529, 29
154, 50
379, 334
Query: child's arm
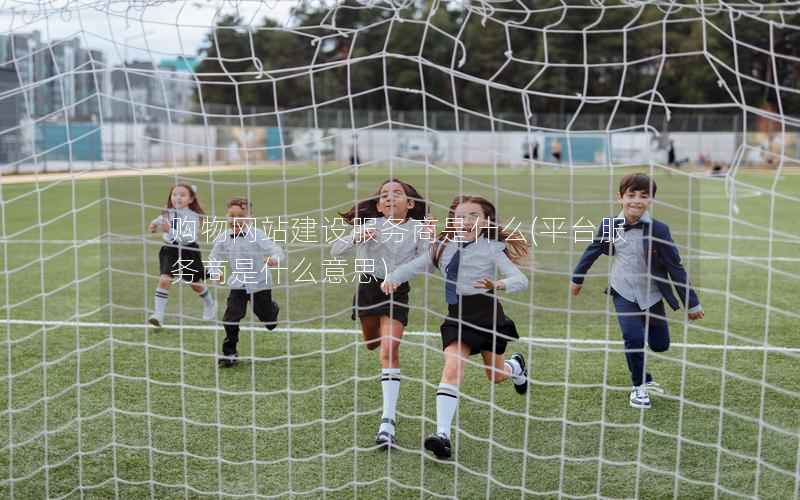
346, 244
595, 249
421, 263
159, 222
668, 251
513, 279
275, 253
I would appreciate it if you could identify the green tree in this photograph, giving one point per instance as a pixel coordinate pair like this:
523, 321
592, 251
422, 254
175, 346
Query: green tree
378, 58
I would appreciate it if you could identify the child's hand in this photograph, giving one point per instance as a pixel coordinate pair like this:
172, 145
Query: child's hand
489, 284
271, 262
696, 315
389, 287
575, 288
151, 227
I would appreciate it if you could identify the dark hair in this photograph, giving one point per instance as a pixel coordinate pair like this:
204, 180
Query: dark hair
637, 182
368, 209
516, 249
242, 203
194, 205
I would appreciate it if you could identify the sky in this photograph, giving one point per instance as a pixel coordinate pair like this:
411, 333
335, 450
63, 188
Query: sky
161, 30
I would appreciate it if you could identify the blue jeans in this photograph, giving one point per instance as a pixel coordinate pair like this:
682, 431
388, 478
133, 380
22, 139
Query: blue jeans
637, 326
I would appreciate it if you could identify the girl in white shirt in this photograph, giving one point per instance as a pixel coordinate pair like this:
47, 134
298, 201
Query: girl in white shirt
180, 258
469, 252
390, 231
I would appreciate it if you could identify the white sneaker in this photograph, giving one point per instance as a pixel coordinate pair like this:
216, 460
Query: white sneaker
210, 310
639, 397
156, 320
654, 387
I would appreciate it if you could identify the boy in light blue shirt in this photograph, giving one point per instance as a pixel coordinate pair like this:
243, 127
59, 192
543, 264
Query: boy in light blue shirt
646, 266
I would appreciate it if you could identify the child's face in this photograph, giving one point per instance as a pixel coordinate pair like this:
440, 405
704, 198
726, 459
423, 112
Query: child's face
469, 219
181, 197
393, 202
634, 203
237, 218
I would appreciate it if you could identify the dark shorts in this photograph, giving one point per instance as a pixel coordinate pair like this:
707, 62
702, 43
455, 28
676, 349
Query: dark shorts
483, 326
184, 261
370, 300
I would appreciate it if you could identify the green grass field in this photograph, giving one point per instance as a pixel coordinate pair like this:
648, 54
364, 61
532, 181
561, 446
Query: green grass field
123, 411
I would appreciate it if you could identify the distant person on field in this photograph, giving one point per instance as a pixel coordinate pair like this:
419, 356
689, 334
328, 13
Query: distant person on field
671, 154
355, 162
555, 149
530, 151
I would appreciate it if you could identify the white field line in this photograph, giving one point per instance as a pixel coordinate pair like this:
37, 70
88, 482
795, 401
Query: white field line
352, 331
80, 175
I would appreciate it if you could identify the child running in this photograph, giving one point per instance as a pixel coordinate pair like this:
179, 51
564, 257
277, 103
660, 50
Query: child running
646, 264
180, 259
389, 231
468, 253
249, 254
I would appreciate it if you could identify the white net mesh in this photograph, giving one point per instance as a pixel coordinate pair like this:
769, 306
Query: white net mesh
305, 108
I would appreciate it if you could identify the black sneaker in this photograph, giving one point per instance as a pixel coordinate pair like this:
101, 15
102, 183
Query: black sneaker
520, 381
156, 321
228, 361
273, 324
439, 444
385, 439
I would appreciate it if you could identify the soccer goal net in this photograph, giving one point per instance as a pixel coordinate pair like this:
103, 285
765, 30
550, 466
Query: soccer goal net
114, 379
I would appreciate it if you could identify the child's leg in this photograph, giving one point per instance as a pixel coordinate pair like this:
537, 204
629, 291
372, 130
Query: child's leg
657, 335
455, 355
205, 295
499, 369
447, 395
496, 368
164, 281
631, 322
371, 331
194, 273
162, 296
391, 332
234, 312
265, 308
658, 329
